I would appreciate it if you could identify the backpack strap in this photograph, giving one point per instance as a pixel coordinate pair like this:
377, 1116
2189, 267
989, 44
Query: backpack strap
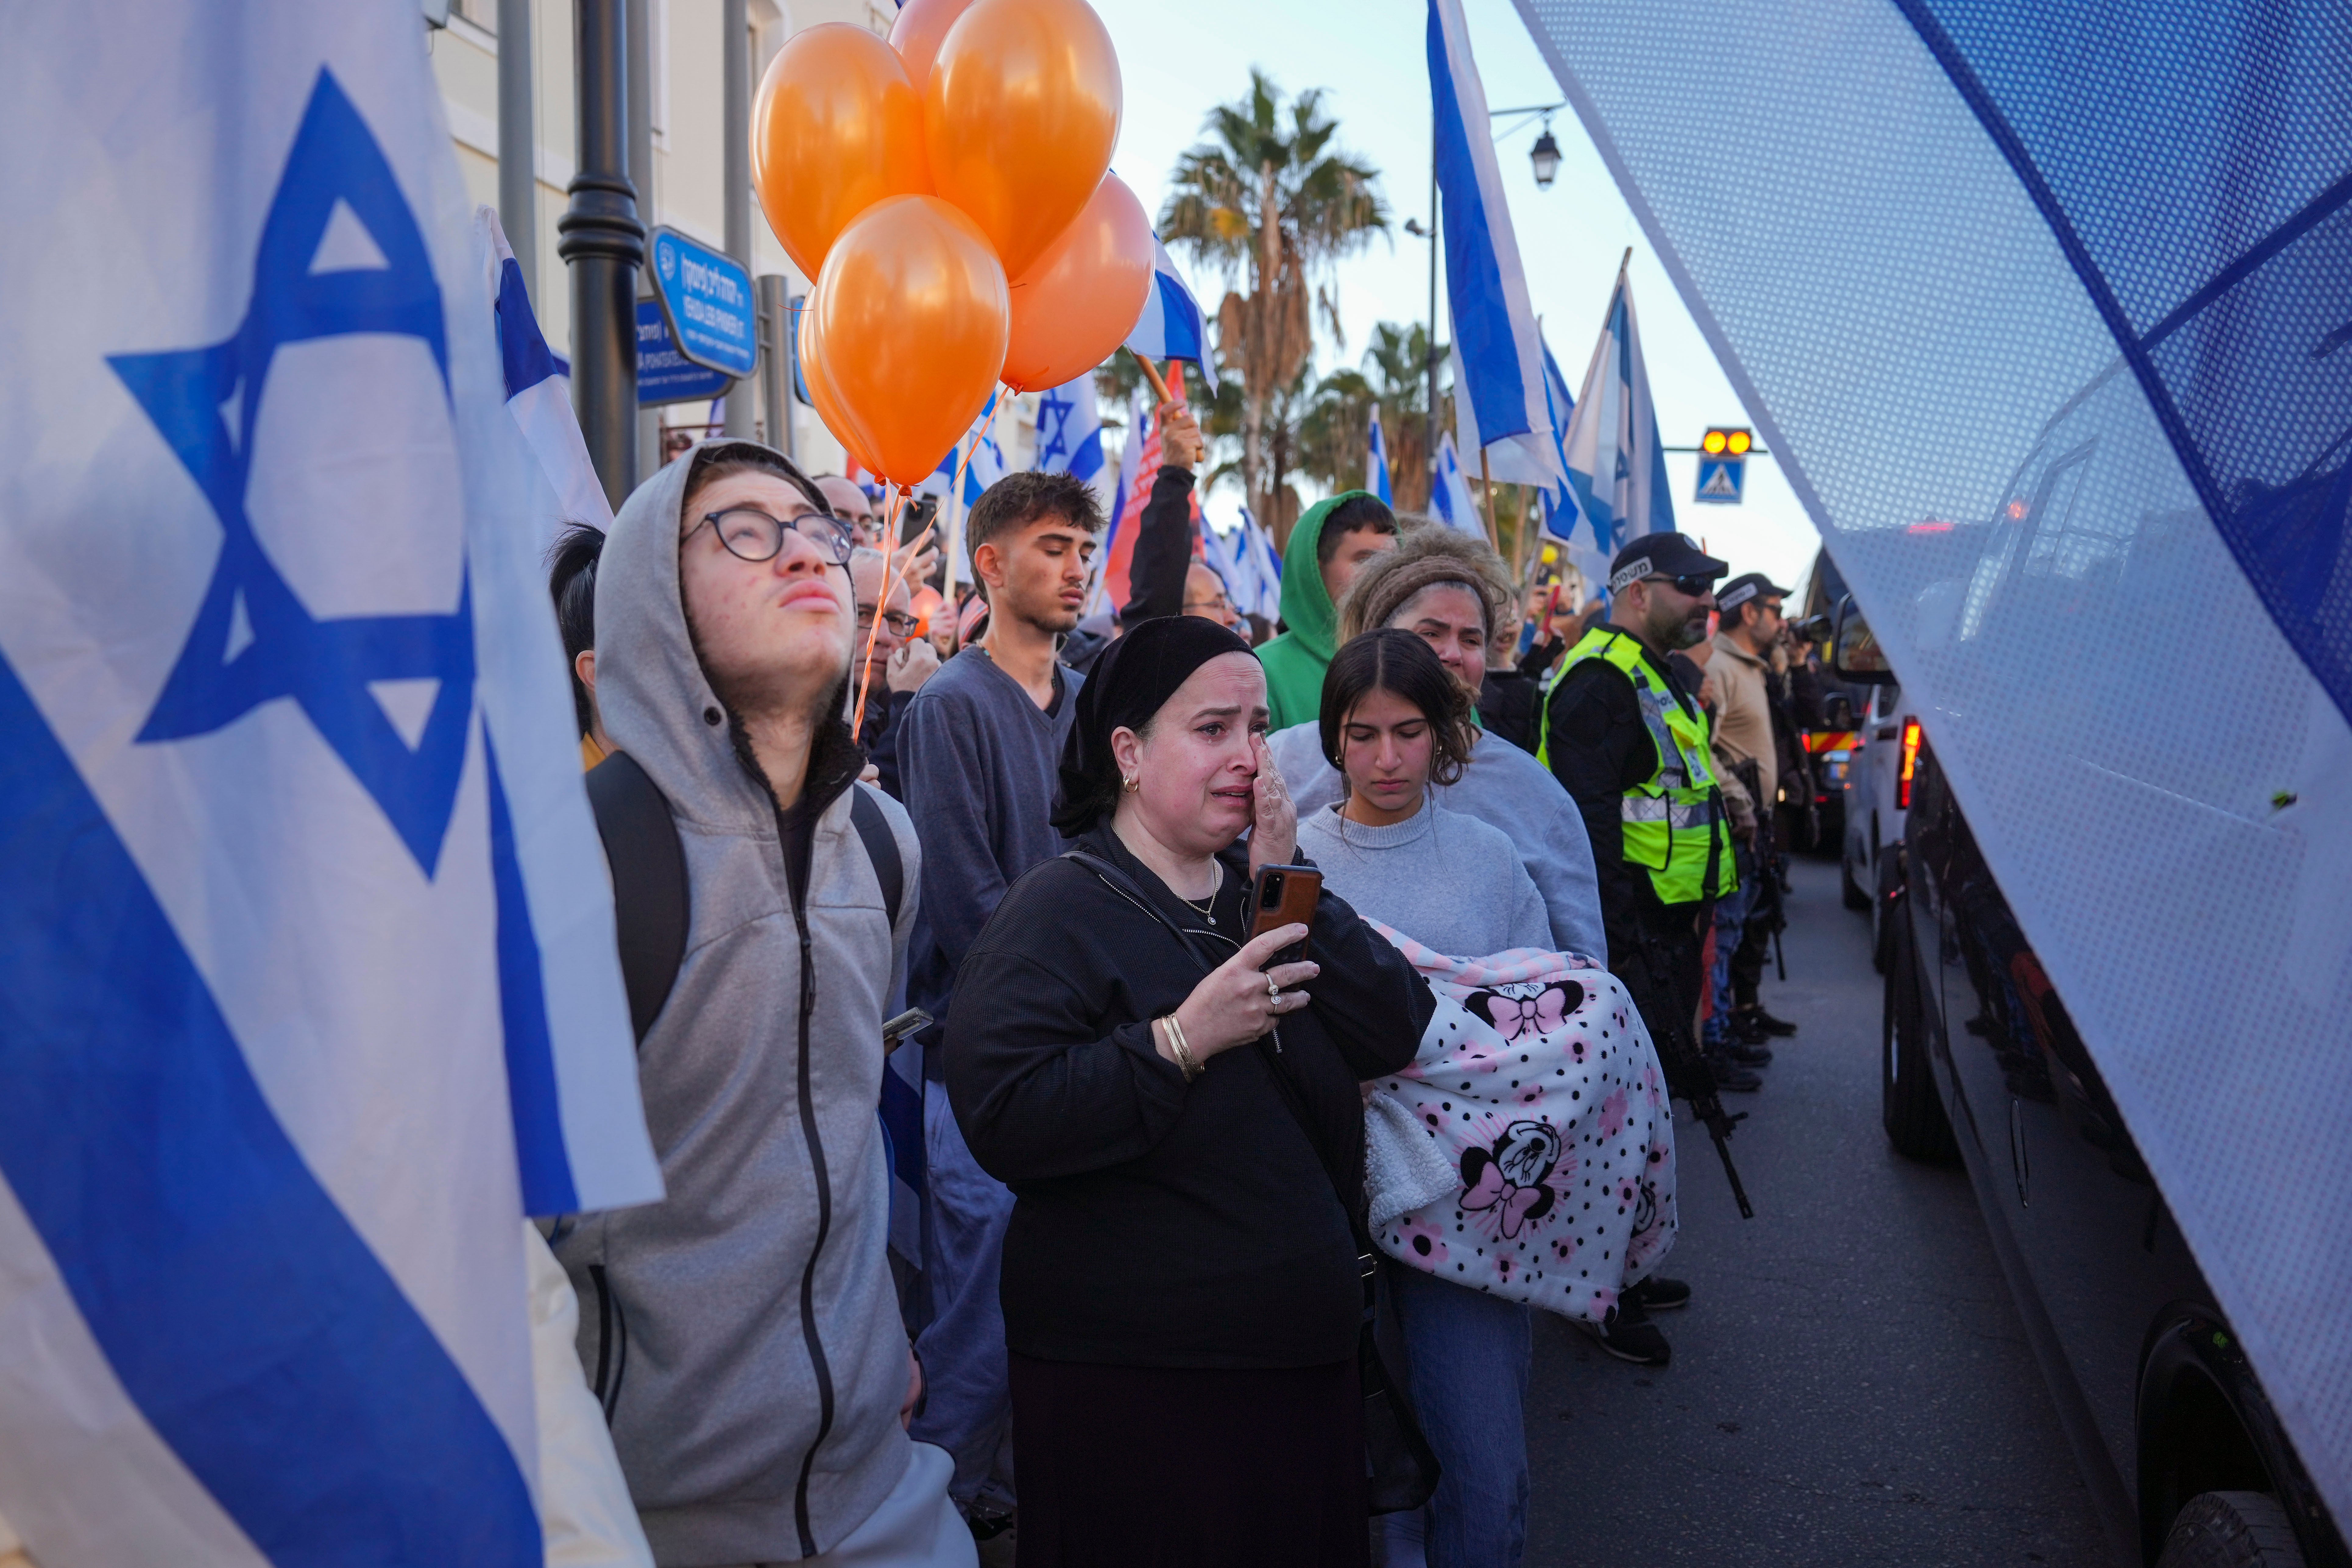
649, 867
881, 848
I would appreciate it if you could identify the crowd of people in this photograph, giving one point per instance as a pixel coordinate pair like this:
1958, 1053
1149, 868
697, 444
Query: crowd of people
1111, 1288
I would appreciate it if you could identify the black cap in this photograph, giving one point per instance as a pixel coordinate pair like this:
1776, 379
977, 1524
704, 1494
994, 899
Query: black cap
1662, 555
1745, 586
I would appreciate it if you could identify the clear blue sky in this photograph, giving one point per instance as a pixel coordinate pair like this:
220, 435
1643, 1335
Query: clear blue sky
1368, 56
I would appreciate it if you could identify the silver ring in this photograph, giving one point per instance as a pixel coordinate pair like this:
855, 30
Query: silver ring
1273, 991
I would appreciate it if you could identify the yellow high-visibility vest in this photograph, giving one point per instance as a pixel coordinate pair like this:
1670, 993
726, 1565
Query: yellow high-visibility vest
1673, 821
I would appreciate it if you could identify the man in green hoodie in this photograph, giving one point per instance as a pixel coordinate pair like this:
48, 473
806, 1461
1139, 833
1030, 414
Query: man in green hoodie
1327, 549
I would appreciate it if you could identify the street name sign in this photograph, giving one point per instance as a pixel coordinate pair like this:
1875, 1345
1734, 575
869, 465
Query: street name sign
706, 297
664, 375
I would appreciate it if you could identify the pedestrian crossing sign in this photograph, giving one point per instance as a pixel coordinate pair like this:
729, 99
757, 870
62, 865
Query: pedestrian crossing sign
1719, 479
1723, 464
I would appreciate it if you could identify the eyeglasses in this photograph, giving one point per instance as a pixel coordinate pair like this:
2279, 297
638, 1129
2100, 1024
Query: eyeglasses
1696, 587
1219, 604
901, 624
750, 534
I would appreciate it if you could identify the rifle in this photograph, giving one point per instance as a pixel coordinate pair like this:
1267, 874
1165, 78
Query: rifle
1708, 1108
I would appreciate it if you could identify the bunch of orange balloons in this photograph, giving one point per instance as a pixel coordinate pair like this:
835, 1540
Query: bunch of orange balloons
950, 191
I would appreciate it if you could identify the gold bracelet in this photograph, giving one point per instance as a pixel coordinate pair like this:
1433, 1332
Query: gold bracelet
1185, 1062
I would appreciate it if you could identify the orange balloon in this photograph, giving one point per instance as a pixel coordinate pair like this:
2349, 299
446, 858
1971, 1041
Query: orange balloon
917, 33
819, 390
1019, 118
837, 126
915, 304
1078, 303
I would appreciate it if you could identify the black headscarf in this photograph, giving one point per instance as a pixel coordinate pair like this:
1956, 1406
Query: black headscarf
1130, 683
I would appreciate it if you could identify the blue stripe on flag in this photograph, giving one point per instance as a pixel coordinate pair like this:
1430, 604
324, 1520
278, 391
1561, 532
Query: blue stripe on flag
532, 1087
522, 347
1482, 314
245, 1316
1182, 323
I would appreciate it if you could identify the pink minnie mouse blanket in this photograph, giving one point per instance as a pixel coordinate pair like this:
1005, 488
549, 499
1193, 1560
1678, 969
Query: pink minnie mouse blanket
1538, 1083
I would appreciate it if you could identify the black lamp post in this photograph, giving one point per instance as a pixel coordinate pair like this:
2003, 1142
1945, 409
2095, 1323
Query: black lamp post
604, 244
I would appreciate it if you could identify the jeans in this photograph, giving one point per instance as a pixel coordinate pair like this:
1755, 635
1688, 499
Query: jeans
1730, 928
968, 1405
1466, 1360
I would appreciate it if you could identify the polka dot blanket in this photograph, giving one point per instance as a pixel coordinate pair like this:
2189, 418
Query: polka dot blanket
1538, 1081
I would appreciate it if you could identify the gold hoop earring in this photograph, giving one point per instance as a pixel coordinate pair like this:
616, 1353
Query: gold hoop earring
1130, 785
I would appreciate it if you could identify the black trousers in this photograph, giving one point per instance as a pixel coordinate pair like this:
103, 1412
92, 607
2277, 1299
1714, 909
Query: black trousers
1137, 1467
1666, 971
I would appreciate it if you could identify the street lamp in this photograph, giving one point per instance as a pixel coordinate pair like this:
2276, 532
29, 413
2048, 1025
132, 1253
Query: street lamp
1546, 157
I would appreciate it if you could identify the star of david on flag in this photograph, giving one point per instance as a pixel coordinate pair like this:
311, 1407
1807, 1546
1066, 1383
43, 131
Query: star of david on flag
1069, 430
306, 948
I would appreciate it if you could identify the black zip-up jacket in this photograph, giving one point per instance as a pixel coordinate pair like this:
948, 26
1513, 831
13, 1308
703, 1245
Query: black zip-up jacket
1157, 1223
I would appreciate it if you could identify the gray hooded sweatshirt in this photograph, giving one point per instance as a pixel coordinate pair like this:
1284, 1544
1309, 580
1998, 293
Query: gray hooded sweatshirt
743, 1332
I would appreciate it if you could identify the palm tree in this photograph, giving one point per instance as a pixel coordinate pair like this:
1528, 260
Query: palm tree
1267, 198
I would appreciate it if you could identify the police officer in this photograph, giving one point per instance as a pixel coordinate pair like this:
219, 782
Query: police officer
1627, 739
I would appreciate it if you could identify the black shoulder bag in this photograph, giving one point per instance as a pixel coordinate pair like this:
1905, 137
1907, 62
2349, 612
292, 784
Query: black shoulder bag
1400, 1471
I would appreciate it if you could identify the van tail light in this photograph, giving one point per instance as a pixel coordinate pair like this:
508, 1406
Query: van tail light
1910, 764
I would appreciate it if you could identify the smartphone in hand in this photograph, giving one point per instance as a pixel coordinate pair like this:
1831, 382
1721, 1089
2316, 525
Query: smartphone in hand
1285, 895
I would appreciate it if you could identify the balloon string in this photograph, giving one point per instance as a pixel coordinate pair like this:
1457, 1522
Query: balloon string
913, 549
995, 403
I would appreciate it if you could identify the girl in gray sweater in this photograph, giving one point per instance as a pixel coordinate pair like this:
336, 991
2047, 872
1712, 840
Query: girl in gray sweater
1395, 723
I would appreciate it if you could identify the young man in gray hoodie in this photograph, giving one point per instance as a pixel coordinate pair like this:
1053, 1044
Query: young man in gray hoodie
743, 1335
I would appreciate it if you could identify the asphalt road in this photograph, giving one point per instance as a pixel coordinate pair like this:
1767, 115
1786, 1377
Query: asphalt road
1849, 1383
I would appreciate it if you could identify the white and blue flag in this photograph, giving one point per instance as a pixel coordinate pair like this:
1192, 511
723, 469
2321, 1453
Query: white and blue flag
1616, 465
1508, 463
1376, 460
1172, 325
1239, 556
1069, 430
978, 457
1498, 352
1450, 496
539, 389
307, 986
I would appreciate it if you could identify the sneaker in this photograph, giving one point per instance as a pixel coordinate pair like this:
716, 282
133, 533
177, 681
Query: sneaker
1748, 1055
1629, 1335
1730, 1078
1659, 1294
1765, 1021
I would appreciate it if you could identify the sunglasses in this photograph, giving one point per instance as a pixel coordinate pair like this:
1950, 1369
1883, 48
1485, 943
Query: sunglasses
1696, 587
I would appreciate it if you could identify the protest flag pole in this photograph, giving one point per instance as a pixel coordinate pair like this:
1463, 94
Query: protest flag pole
1486, 485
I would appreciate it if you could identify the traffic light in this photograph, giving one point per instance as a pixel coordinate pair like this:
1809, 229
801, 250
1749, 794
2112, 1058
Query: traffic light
1723, 463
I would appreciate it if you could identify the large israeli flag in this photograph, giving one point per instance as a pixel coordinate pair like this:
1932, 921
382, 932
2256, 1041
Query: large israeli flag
1498, 351
2048, 322
306, 978
1376, 460
1174, 325
1616, 465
